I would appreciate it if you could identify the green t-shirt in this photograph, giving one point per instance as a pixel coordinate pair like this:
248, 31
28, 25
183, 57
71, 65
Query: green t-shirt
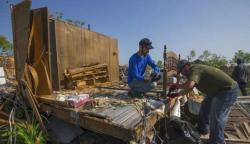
210, 80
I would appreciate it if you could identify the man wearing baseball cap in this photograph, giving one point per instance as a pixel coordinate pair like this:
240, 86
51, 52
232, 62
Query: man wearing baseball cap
221, 92
240, 75
137, 66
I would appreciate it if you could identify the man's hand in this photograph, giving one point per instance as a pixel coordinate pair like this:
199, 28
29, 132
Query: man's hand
155, 77
173, 95
147, 79
173, 87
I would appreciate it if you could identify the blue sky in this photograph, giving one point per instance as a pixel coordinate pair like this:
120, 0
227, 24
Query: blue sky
220, 26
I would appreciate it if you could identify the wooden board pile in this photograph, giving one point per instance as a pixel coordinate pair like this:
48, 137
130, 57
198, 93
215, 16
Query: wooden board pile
90, 75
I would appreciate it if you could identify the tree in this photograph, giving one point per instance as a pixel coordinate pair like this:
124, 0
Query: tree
4, 43
191, 55
76, 22
242, 54
160, 64
211, 59
59, 16
204, 55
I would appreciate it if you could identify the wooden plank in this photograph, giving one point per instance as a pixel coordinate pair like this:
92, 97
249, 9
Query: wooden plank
230, 136
240, 133
53, 57
239, 141
3, 122
20, 25
25, 91
40, 50
247, 129
114, 62
85, 68
61, 43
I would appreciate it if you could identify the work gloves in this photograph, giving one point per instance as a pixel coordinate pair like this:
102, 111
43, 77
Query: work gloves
173, 95
173, 87
155, 77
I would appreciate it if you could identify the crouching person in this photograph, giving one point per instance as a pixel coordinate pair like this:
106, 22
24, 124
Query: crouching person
137, 65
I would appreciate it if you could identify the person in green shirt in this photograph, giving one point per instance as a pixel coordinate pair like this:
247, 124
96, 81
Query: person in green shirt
221, 92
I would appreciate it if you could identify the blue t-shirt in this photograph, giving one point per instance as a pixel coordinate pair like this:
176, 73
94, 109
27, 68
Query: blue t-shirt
137, 67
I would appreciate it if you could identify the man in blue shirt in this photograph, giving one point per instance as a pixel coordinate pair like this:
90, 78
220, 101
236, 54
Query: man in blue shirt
137, 66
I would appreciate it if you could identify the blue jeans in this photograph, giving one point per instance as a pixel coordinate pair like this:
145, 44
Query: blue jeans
243, 86
141, 86
214, 113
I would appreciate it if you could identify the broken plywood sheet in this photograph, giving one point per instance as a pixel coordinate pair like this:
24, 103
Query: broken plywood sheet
125, 116
21, 28
39, 56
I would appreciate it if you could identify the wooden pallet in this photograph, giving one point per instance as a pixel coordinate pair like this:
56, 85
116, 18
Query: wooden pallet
86, 76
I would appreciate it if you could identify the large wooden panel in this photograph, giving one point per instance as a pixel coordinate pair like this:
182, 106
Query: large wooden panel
20, 28
76, 47
39, 55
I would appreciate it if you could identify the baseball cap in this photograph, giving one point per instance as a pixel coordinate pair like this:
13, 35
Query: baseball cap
181, 64
147, 42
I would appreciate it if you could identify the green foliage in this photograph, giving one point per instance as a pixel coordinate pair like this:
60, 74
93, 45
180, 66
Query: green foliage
25, 133
242, 54
59, 16
160, 64
76, 22
4, 43
211, 59
191, 55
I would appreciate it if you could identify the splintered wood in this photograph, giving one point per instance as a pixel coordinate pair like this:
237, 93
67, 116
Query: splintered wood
90, 75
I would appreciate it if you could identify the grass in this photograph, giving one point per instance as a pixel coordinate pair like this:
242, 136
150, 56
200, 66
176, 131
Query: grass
24, 133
